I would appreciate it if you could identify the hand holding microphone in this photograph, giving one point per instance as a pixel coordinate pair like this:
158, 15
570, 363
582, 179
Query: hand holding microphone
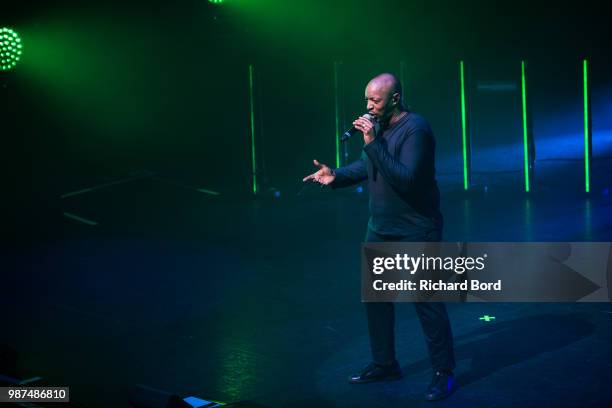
363, 124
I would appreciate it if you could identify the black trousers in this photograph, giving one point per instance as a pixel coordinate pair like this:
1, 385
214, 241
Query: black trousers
432, 315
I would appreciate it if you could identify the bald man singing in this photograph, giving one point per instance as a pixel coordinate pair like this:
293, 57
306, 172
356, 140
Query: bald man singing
398, 162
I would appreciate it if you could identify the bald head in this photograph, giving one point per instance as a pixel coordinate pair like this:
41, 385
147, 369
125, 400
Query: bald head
386, 84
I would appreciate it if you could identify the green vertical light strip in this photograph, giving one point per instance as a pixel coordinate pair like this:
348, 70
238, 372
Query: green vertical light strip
463, 126
252, 114
525, 147
337, 108
587, 139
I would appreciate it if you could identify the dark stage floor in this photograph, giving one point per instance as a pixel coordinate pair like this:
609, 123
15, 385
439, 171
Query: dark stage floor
241, 299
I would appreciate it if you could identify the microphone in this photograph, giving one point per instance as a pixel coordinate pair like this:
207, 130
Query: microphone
346, 136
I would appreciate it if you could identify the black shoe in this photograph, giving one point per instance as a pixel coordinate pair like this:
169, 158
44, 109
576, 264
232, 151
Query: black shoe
442, 385
374, 372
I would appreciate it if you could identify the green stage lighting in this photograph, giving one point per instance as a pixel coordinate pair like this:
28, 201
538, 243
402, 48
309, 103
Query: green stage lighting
466, 183
587, 125
216, 1
252, 123
10, 49
525, 127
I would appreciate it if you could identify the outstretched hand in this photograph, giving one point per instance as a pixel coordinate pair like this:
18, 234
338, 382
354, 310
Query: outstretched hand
324, 176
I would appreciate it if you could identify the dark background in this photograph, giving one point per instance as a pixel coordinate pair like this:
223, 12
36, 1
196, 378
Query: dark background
236, 297
108, 88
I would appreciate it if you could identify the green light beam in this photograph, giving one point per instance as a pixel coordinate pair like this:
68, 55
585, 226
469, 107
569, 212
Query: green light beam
252, 116
463, 127
525, 147
80, 219
206, 191
337, 109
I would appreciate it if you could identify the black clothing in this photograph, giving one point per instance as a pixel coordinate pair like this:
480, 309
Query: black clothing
432, 315
404, 206
399, 166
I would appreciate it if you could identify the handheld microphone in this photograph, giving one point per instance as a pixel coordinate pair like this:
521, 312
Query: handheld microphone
346, 136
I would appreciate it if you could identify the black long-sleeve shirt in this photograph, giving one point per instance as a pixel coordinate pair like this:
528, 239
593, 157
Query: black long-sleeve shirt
399, 167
